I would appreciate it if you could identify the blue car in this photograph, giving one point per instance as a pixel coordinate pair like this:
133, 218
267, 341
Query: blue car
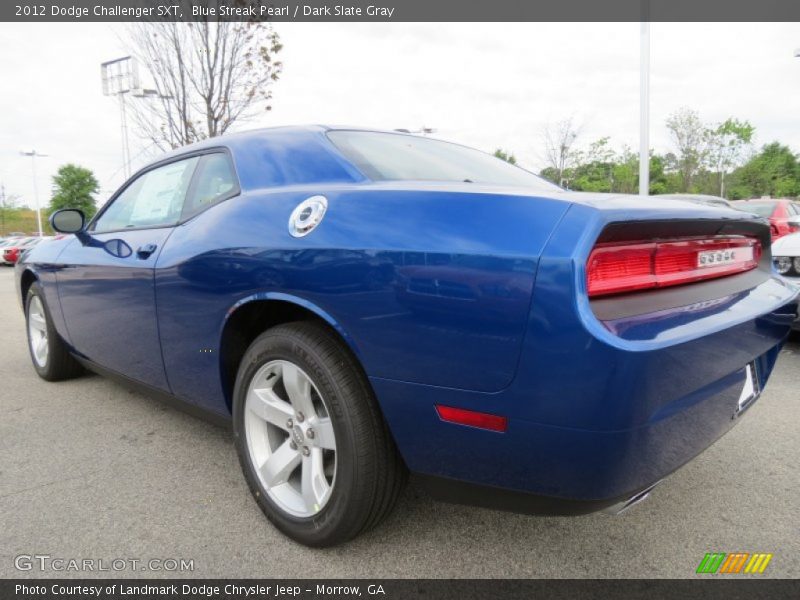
359, 305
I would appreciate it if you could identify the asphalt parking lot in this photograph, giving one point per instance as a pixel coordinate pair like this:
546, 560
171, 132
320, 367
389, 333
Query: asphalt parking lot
92, 470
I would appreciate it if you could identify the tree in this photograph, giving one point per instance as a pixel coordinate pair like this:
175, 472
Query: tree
626, 172
506, 156
601, 169
727, 143
690, 138
74, 187
208, 75
559, 140
775, 171
707, 160
593, 169
7, 203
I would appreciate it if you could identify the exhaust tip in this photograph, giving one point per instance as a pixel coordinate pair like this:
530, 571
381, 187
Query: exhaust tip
623, 506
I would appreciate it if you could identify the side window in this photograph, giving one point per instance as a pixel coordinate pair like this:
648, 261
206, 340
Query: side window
214, 183
155, 199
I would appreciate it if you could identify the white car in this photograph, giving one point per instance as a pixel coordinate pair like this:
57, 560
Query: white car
786, 258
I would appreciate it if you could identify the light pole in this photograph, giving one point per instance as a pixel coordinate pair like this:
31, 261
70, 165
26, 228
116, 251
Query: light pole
120, 77
34, 154
644, 108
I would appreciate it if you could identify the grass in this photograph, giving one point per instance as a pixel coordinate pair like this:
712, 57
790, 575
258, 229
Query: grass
20, 219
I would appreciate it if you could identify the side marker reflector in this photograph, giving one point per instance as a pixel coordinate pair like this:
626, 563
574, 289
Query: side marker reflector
472, 418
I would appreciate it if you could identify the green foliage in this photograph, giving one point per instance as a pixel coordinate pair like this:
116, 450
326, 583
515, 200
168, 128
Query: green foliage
19, 219
506, 156
775, 171
549, 173
712, 159
727, 143
74, 187
601, 169
690, 138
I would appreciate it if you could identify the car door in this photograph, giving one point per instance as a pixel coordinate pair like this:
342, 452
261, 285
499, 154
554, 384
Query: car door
106, 283
187, 319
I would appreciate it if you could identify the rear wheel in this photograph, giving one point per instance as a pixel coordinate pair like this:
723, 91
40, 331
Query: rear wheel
49, 354
313, 445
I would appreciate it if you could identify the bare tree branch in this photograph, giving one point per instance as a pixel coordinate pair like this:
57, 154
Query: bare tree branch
208, 76
559, 140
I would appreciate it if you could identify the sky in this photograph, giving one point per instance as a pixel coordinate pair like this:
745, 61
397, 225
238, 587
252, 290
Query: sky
484, 85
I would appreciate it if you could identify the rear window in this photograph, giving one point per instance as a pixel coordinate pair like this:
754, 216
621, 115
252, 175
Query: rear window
399, 157
762, 209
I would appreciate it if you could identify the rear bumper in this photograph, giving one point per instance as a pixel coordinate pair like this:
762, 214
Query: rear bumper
470, 494
589, 422
565, 470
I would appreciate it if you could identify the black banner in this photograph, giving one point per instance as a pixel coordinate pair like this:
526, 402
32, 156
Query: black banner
727, 588
400, 10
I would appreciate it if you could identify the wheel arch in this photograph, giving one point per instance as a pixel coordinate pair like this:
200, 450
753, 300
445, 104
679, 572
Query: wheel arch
26, 280
252, 316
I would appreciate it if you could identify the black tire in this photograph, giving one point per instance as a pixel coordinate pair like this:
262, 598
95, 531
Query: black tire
60, 364
369, 473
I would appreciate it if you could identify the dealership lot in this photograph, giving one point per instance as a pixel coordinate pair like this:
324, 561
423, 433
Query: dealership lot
90, 470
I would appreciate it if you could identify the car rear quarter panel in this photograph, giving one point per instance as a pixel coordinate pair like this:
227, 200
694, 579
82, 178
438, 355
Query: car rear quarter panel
597, 412
428, 286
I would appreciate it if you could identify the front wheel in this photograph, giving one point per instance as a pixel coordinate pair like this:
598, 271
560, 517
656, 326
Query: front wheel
313, 445
49, 354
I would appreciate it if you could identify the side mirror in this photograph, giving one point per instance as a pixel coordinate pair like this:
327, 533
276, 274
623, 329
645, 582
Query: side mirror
68, 220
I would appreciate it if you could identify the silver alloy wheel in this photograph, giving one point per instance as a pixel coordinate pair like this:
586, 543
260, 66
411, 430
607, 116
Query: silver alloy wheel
290, 438
37, 331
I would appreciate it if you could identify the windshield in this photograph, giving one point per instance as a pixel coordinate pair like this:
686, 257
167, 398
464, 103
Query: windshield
399, 157
762, 209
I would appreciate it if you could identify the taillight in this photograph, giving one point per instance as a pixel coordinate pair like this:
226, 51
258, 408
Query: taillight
616, 268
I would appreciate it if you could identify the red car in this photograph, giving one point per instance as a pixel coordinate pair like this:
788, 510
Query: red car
778, 211
11, 252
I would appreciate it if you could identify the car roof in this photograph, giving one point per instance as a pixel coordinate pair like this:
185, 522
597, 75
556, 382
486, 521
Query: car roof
285, 148
240, 138
232, 140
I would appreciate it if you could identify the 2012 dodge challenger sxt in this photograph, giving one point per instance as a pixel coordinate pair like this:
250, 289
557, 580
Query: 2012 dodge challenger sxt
360, 304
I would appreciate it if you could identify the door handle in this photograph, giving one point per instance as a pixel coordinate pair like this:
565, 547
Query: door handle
146, 250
